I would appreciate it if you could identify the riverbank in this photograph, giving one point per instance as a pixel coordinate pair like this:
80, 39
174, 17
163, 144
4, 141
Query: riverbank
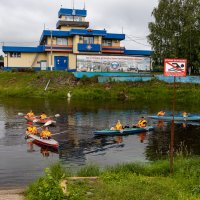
33, 84
12, 194
122, 182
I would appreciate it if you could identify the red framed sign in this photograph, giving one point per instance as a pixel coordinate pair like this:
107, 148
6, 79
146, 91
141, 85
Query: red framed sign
175, 67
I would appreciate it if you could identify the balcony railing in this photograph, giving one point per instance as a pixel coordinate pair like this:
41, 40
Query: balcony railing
89, 47
59, 48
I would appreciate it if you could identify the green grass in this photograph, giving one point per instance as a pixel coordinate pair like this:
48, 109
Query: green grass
126, 182
32, 84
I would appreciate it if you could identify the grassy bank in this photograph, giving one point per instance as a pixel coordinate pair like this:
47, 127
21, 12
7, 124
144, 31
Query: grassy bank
32, 84
123, 182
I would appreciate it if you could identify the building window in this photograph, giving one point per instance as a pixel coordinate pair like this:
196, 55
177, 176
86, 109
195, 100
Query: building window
107, 42
77, 19
69, 18
73, 18
15, 55
86, 40
61, 41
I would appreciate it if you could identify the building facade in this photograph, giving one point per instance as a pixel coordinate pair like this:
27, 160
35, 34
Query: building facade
75, 47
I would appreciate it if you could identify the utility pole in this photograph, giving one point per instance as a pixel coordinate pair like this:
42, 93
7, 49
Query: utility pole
51, 64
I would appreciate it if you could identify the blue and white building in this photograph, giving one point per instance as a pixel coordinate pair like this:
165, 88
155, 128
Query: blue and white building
76, 47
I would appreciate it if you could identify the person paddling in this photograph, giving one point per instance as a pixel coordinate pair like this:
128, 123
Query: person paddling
45, 134
185, 115
43, 116
32, 129
30, 114
161, 113
118, 126
142, 122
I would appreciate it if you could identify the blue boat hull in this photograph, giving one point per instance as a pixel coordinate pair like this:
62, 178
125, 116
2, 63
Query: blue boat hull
176, 118
126, 131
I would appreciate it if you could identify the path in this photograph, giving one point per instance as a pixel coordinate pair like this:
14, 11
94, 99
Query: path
12, 194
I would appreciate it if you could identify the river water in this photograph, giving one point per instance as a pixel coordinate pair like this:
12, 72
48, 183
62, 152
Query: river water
21, 163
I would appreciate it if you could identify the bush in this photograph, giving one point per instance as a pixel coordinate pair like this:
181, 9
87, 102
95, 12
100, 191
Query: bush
48, 187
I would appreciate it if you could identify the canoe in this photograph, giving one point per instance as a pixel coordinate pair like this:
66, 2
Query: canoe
47, 142
37, 120
176, 117
126, 131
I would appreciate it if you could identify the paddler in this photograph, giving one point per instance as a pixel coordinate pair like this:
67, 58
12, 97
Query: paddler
30, 114
32, 129
142, 122
118, 126
45, 134
161, 113
185, 115
43, 116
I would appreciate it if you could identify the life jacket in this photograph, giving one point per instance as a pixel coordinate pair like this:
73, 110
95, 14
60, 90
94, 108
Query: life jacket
30, 114
45, 133
30, 129
43, 116
161, 113
142, 123
34, 130
118, 126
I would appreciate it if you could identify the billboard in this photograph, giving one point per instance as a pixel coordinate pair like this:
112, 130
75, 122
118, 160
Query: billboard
88, 63
175, 67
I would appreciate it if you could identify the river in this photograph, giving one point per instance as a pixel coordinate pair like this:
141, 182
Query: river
21, 162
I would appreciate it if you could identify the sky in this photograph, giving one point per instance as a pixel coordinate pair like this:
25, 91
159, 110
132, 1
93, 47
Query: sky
22, 21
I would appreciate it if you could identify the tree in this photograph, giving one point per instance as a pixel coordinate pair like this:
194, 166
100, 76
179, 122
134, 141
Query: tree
175, 32
1, 57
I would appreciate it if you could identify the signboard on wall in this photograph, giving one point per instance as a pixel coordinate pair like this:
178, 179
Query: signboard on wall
112, 63
175, 67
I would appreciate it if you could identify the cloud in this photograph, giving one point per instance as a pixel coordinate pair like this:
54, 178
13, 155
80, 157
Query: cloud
22, 21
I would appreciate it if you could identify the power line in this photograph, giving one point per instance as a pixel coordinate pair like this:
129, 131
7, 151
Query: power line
137, 42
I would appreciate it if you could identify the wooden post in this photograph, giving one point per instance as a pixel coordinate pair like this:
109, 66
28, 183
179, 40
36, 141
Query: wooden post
172, 132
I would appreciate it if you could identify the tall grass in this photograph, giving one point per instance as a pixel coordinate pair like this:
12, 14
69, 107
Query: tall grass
124, 181
26, 84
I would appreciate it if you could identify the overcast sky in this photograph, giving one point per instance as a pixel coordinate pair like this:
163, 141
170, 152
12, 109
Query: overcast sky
22, 21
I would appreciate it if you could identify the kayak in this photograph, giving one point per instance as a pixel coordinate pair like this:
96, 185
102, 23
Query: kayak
47, 142
48, 120
176, 117
126, 131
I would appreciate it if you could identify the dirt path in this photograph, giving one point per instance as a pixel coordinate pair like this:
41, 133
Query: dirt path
12, 194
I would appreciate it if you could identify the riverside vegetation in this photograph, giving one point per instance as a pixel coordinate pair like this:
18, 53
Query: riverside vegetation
32, 84
123, 182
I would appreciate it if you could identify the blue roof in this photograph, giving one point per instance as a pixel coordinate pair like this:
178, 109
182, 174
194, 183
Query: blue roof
37, 49
114, 36
72, 12
56, 33
138, 52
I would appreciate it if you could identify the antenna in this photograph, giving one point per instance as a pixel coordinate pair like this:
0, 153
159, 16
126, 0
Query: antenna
73, 4
84, 5
122, 30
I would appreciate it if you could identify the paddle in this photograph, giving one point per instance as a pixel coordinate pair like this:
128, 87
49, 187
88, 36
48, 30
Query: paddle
22, 114
59, 133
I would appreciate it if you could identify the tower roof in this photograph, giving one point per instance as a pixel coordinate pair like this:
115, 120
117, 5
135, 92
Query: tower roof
72, 12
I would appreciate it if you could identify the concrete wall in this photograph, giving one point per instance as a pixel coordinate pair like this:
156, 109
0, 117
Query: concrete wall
187, 79
26, 60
